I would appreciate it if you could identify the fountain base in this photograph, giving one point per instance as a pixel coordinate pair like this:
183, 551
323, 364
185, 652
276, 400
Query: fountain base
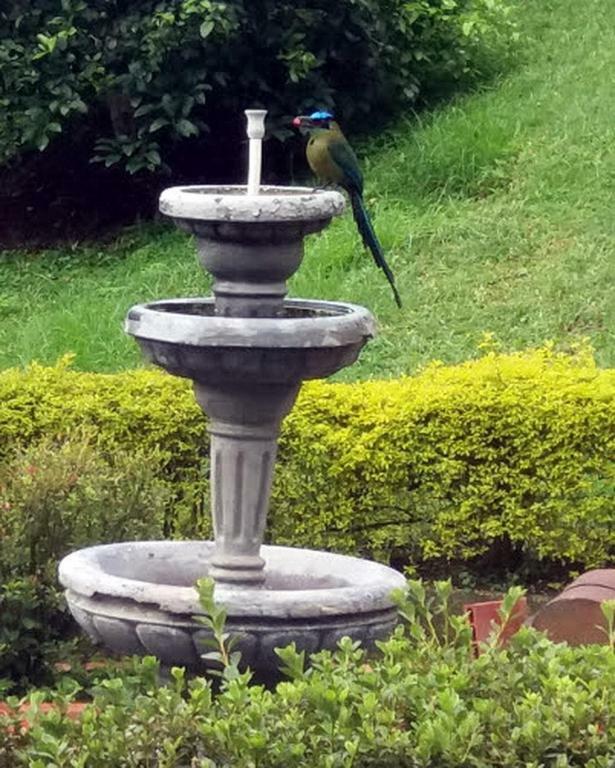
139, 598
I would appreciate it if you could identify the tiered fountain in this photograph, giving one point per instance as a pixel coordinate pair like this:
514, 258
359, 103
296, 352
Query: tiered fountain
247, 350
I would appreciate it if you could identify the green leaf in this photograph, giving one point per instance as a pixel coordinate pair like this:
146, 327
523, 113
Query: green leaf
134, 165
206, 28
186, 128
158, 123
144, 109
293, 662
153, 157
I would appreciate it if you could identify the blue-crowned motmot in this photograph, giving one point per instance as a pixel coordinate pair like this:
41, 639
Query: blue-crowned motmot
331, 158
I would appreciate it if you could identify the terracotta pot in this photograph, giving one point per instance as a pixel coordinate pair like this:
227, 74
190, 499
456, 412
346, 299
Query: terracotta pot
485, 618
575, 615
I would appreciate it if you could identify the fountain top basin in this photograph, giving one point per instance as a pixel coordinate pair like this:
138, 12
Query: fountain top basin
233, 204
300, 582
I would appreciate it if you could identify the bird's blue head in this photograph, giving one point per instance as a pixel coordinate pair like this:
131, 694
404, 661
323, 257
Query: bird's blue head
321, 116
319, 119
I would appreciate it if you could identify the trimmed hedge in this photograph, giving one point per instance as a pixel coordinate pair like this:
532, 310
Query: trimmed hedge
452, 463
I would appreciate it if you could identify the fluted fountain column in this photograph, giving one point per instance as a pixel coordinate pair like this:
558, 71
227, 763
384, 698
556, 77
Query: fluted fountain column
244, 425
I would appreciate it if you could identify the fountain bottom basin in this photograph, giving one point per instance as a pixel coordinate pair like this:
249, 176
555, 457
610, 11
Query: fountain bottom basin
139, 598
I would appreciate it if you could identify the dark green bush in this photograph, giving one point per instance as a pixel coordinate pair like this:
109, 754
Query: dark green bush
145, 75
56, 496
35, 628
422, 701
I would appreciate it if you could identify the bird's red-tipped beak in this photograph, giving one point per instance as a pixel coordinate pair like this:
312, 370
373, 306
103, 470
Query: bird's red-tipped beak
297, 122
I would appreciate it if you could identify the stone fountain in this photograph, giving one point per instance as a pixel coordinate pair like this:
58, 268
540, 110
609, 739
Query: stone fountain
247, 351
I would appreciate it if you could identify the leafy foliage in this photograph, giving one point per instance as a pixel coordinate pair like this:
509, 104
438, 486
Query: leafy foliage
225, 660
508, 452
34, 631
145, 75
608, 611
421, 701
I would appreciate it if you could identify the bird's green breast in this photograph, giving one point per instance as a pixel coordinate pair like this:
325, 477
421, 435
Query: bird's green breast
320, 160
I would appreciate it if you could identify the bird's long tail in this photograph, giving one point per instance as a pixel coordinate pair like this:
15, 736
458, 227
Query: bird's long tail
366, 230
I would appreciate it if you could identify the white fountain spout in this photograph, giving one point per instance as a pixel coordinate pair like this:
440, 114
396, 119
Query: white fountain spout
256, 133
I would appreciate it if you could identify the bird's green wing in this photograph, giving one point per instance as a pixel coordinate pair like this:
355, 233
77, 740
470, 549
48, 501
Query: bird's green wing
343, 156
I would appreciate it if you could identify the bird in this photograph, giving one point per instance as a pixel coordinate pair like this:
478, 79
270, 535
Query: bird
333, 161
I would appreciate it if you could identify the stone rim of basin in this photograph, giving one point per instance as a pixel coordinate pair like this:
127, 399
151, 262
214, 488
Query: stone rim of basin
363, 586
232, 203
324, 324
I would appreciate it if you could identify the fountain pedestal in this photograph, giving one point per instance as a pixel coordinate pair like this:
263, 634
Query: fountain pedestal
244, 424
247, 351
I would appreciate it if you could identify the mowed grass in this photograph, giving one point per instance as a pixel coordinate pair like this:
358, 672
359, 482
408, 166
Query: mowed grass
497, 212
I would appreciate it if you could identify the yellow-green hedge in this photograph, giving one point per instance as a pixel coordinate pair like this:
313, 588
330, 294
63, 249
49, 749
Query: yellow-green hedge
448, 463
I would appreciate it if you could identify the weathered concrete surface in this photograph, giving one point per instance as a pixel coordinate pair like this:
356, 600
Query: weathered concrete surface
311, 339
139, 598
250, 244
575, 616
232, 203
247, 351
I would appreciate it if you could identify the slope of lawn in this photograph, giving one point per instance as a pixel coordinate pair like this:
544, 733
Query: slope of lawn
497, 212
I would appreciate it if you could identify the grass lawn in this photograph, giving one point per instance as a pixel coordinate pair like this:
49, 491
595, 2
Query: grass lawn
496, 212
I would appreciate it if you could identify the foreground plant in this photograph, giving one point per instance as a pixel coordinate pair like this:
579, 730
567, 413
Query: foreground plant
608, 611
225, 661
420, 701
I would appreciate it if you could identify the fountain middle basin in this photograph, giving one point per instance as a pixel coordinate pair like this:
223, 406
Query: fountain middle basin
307, 339
138, 597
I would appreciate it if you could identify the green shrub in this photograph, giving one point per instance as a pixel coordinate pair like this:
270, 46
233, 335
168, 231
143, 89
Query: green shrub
505, 451
57, 495
34, 629
508, 451
137, 410
421, 701
145, 75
